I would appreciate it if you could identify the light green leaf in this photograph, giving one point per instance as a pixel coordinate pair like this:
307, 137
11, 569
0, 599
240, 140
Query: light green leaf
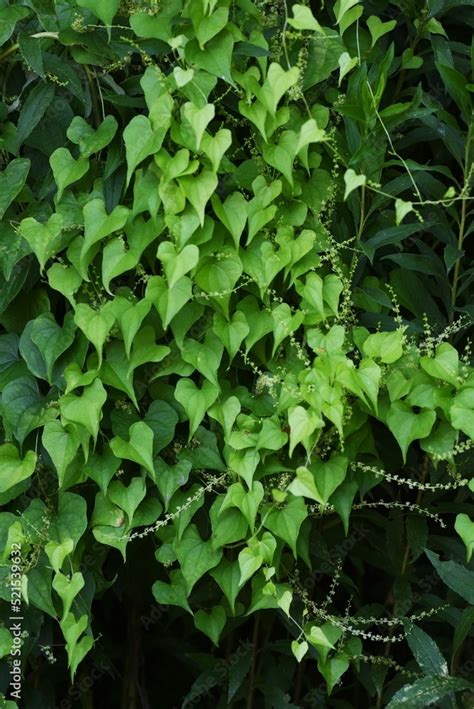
346, 64
402, 208
44, 239
444, 365
173, 594
215, 58
462, 412
250, 560
51, 339
276, 84
141, 140
231, 333
303, 19
85, 410
303, 423
198, 190
321, 636
168, 301
130, 316
6, 644
464, 526
227, 576
232, 213
299, 649
386, 346
247, 501
303, 485
196, 556
70, 522
145, 348
377, 28
225, 413
175, 264
13, 468
139, 447
195, 401
66, 170
408, 426
182, 76
198, 119
215, 146
333, 669
127, 497
62, 444
105, 10
117, 259
210, 25
97, 225
95, 324
57, 552
320, 479
64, 279
67, 588
341, 7
170, 478
76, 649
211, 622
286, 522
205, 357
352, 182
91, 141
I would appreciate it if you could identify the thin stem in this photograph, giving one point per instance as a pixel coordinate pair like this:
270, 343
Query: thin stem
457, 266
462, 222
394, 152
359, 231
92, 88
405, 562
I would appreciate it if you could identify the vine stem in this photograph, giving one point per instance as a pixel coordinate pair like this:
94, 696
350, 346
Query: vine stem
462, 223
359, 231
405, 562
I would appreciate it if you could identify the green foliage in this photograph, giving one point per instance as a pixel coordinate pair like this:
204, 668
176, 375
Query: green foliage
235, 376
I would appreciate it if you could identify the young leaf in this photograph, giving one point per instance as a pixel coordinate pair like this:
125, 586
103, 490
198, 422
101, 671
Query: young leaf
464, 526
91, 141
13, 468
195, 556
138, 448
195, 401
211, 622
377, 28
66, 170
408, 426
352, 182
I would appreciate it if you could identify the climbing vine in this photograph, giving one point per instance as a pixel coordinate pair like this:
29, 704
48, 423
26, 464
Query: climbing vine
237, 393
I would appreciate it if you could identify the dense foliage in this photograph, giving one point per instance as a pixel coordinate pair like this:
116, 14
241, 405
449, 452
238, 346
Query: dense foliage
237, 394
